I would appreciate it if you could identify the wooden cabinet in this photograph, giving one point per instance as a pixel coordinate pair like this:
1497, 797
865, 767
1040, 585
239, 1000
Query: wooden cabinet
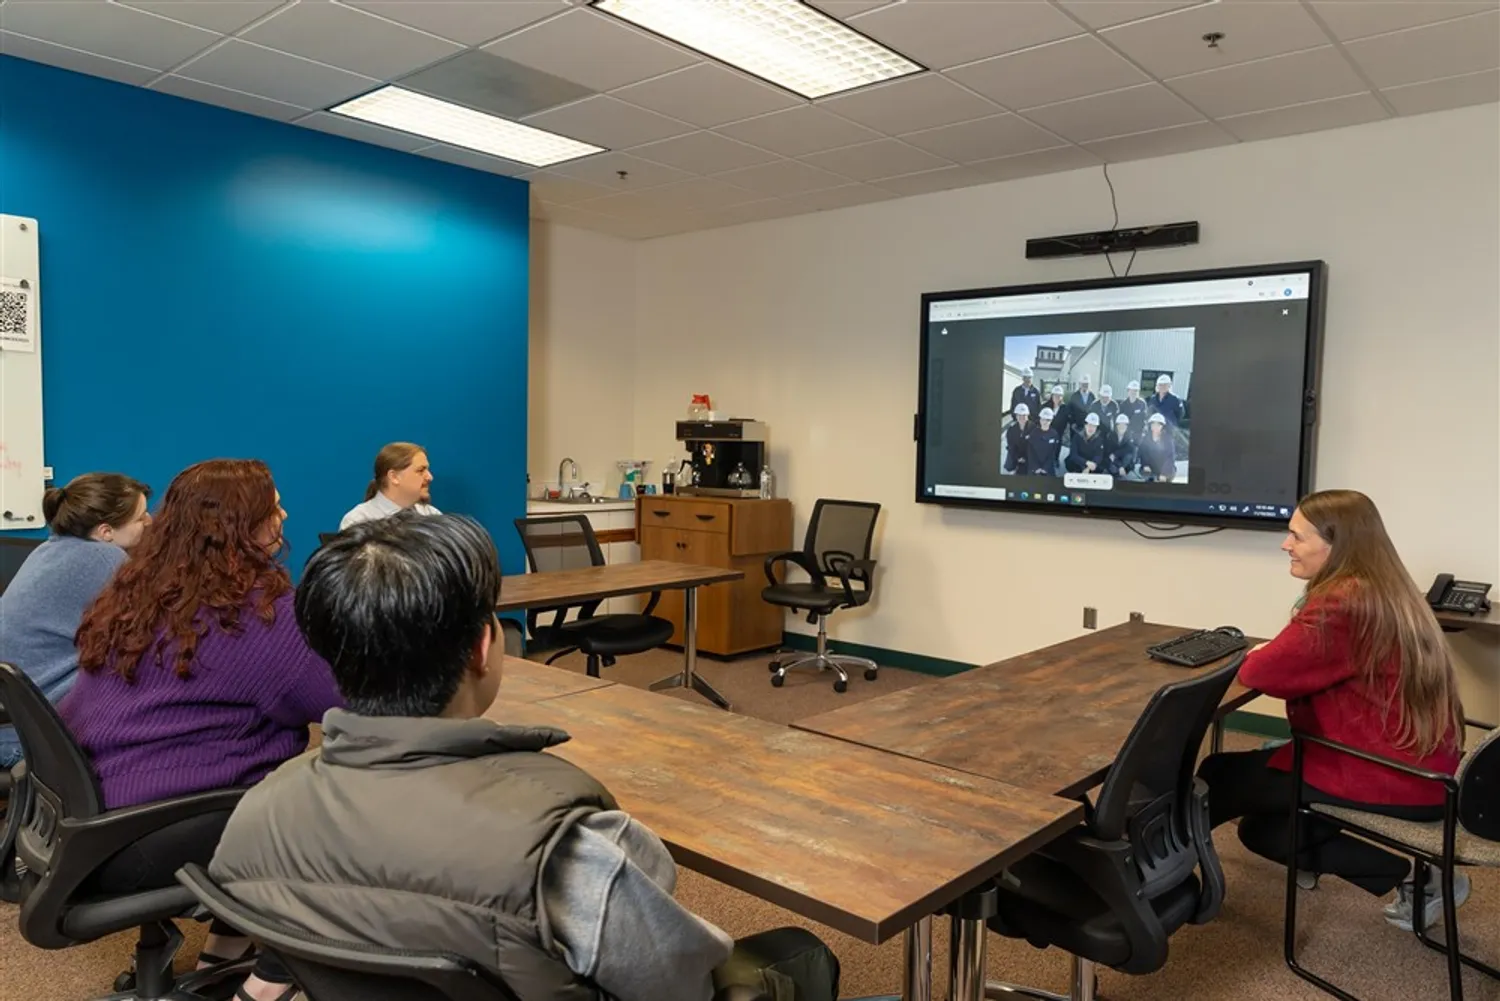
719, 532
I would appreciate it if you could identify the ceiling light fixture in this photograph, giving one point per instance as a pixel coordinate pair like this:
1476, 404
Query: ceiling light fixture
443, 121
785, 42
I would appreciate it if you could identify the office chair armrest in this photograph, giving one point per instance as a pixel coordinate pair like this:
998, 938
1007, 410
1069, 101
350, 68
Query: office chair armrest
740, 992
651, 603
97, 838
794, 556
1447, 781
1109, 869
1210, 871
854, 570
1476, 724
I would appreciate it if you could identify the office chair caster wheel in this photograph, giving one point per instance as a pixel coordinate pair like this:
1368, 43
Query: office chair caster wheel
871, 674
125, 982
841, 686
777, 680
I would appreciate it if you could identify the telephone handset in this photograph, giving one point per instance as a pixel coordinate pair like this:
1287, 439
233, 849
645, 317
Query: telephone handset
1449, 595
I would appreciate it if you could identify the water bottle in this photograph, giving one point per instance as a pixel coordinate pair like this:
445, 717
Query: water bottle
767, 483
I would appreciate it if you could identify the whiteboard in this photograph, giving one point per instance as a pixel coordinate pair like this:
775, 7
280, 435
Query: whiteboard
22, 479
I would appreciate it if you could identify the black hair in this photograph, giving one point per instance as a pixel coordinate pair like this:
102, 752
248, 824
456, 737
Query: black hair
395, 607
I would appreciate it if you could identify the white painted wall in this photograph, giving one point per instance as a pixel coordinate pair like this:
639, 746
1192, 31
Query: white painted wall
583, 316
811, 324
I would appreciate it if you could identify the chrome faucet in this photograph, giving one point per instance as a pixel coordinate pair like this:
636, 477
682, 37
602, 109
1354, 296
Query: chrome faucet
560, 481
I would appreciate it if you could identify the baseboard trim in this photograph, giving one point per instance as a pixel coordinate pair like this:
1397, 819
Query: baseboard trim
885, 658
1258, 724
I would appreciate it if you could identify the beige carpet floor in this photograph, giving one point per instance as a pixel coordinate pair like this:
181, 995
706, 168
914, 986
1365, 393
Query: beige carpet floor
1342, 933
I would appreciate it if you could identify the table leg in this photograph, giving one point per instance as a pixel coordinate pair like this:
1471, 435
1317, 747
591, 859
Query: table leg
967, 953
689, 678
916, 967
1216, 737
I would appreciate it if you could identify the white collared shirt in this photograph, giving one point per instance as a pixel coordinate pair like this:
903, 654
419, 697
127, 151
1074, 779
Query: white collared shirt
378, 507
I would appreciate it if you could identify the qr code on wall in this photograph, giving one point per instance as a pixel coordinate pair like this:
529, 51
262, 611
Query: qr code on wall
16, 332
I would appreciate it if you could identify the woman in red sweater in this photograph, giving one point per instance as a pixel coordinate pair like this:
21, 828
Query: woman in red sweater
1363, 662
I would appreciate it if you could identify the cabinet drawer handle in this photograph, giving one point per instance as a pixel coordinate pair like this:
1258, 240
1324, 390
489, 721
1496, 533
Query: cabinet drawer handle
705, 517
662, 514
682, 545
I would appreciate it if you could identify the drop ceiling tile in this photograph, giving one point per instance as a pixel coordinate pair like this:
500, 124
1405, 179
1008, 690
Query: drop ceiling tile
350, 128
109, 30
799, 131
874, 160
783, 177
1121, 112
350, 39
847, 8
463, 21
256, 70
983, 139
1439, 95
943, 33
561, 189
474, 160
1162, 142
703, 153
65, 58
1350, 20
928, 181
1047, 74
918, 102
1172, 44
1451, 48
1105, 13
635, 229
196, 90
223, 16
606, 122
1355, 109
568, 215
603, 170
575, 45
707, 95
1047, 161
1309, 75
836, 198
690, 195
486, 82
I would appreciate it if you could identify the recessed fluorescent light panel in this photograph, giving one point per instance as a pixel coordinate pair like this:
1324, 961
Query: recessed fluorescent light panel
443, 121
783, 41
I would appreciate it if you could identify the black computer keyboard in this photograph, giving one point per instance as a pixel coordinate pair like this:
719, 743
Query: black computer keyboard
1200, 647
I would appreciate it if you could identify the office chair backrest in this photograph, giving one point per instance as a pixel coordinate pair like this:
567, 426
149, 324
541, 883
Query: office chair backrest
840, 530
513, 638
1147, 795
328, 970
1479, 788
56, 765
559, 542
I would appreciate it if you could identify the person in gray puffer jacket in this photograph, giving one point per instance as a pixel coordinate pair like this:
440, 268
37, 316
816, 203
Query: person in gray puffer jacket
420, 825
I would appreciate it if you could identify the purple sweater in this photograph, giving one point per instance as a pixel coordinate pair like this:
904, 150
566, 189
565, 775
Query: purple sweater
244, 710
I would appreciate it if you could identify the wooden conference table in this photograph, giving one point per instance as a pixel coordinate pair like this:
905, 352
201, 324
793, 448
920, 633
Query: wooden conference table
866, 842
1051, 721
574, 587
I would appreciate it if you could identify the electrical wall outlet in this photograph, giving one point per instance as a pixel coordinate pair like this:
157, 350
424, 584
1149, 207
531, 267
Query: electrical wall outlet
1137, 617
1090, 618
47, 473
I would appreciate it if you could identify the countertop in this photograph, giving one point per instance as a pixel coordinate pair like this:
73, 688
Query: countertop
558, 507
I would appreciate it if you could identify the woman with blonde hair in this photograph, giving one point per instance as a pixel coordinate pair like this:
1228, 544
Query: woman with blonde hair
1363, 662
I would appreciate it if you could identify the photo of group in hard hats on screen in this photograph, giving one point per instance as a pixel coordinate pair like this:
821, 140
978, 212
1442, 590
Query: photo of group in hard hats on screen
1117, 403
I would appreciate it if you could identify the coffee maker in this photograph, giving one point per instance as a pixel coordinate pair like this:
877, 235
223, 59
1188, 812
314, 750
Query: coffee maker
726, 457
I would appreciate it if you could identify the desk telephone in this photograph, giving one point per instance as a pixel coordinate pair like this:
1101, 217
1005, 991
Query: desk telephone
1449, 595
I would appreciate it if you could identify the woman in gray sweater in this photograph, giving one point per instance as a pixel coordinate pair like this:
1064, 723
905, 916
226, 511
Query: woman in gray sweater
94, 520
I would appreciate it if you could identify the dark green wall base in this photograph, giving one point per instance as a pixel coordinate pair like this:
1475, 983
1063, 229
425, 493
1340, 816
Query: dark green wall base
1242, 722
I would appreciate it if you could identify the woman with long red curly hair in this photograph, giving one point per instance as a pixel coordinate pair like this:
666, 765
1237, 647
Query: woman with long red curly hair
193, 675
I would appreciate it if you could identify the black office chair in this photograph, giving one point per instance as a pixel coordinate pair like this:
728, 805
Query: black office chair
66, 836
567, 542
15, 790
327, 970
513, 638
1112, 891
835, 555
1468, 835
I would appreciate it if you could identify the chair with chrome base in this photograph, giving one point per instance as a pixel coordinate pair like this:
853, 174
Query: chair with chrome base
567, 542
67, 835
1468, 835
327, 970
835, 555
1112, 891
